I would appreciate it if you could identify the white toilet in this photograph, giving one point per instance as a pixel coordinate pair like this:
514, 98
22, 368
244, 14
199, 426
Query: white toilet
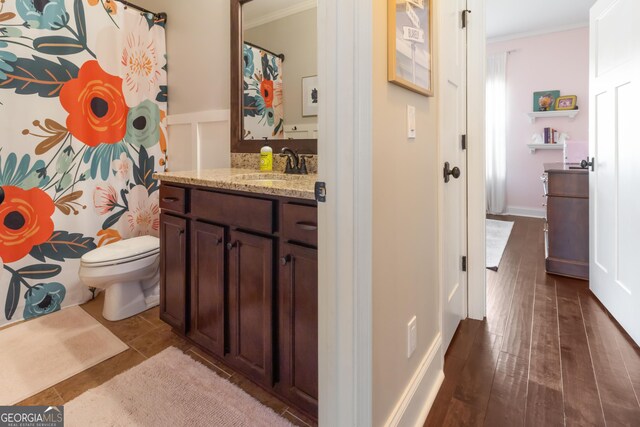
129, 273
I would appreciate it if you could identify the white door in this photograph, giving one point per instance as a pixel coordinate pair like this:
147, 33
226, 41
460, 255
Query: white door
453, 94
614, 143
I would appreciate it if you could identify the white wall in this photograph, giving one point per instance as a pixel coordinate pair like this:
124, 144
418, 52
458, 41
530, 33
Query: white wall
405, 239
198, 72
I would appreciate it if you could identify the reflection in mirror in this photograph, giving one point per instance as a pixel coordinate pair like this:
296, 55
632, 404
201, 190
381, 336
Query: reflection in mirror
279, 75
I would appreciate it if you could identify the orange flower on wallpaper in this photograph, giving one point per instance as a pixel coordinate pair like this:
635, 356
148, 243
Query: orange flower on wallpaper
96, 106
25, 221
266, 90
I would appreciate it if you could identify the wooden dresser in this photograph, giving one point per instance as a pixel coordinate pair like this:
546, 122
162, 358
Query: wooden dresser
567, 221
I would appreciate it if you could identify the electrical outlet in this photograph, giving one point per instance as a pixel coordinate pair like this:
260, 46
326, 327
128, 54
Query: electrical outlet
411, 122
412, 336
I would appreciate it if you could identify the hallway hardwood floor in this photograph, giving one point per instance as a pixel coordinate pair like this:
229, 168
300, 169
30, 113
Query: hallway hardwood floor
548, 353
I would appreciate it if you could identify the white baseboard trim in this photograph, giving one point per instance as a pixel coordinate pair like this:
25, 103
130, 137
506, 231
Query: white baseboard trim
529, 212
414, 405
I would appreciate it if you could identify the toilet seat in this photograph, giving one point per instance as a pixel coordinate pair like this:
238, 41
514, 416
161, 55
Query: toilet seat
122, 252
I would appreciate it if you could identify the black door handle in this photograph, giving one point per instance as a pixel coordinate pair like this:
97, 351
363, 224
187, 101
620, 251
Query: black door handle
455, 172
586, 163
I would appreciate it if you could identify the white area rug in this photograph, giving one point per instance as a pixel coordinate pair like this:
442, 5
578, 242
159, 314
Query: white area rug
498, 233
40, 353
170, 389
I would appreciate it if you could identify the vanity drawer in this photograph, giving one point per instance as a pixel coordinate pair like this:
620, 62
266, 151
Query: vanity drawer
300, 223
173, 198
245, 212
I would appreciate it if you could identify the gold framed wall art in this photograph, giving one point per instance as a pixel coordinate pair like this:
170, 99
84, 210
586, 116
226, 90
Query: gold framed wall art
410, 44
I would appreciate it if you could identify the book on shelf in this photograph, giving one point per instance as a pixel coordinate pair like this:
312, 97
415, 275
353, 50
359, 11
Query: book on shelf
551, 136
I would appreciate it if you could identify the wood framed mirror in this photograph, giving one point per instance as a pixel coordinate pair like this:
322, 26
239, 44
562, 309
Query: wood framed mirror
273, 75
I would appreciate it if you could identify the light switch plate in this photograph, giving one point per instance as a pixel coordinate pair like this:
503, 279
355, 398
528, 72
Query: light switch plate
411, 122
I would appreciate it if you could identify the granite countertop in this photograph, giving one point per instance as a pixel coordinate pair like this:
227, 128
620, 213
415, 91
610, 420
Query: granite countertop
248, 180
564, 167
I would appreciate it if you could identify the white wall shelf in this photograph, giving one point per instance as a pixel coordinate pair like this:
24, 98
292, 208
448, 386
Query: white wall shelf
534, 147
546, 114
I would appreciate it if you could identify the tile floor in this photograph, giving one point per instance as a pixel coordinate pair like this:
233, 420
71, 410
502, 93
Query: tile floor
147, 335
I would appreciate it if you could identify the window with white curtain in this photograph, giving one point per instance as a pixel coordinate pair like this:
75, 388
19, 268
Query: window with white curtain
496, 113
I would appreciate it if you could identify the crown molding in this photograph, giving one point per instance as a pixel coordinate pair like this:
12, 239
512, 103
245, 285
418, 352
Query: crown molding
279, 14
535, 33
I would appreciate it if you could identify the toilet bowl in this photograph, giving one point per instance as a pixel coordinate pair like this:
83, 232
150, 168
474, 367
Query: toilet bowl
129, 273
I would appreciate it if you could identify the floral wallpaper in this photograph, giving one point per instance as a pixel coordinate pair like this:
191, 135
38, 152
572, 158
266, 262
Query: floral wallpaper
83, 101
263, 106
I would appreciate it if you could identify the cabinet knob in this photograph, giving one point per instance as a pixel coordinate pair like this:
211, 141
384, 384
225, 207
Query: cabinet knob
219, 240
232, 245
285, 260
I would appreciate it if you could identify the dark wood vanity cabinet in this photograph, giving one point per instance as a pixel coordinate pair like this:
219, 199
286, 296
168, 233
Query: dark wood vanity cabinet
240, 280
207, 286
173, 270
299, 325
251, 305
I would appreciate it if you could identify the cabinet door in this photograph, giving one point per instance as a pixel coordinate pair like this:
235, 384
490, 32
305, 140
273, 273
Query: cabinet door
207, 286
251, 305
173, 271
299, 326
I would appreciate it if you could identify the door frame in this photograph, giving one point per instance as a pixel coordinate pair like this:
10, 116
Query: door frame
476, 160
345, 59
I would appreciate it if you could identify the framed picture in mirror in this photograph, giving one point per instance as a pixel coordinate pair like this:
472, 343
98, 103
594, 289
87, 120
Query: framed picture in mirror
310, 96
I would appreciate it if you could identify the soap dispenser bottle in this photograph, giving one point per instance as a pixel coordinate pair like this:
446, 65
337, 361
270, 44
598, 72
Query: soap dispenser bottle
266, 159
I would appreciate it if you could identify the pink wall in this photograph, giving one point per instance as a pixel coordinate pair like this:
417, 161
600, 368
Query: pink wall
555, 61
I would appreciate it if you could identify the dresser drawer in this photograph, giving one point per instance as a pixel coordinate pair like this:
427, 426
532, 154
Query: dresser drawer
244, 212
569, 184
173, 199
300, 223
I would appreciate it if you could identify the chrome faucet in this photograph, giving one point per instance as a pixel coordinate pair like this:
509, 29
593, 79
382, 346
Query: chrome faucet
296, 164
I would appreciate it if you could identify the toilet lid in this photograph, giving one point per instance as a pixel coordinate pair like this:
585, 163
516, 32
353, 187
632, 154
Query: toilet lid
137, 247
